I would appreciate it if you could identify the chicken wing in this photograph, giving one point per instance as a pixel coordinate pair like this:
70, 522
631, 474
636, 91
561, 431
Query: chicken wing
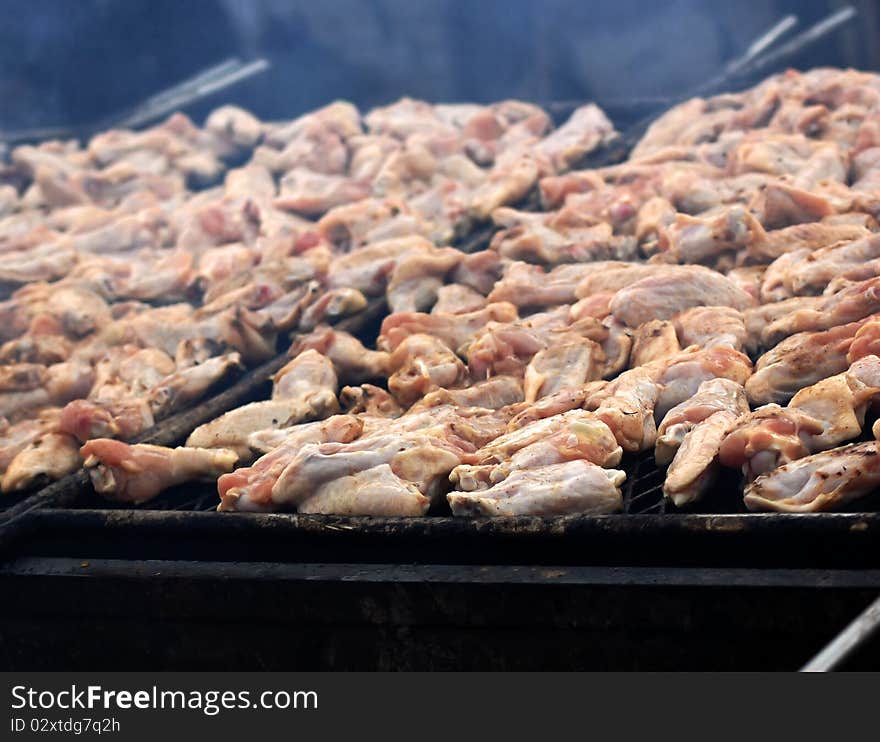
848, 305
137, 473
45, 459
652, 341
798, 361
564, 365
571, 435
250, 488
377, 492
823, 481
573, 487
674, 290
422, 363
693, 467
713, 395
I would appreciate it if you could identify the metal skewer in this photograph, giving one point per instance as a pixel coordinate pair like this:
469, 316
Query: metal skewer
804, 39
760, 45
847, 641
746, 65
202, 84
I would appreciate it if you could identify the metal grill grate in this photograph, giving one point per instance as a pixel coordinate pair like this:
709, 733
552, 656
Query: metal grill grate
643, 489
8, 501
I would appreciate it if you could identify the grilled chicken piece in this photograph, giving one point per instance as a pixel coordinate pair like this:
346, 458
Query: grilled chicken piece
597, 306
124, 418
331, 307
757, 318
163, 276
14, 438
137, 473
798, 361
48, 262
22, 377
586, 129
866, 341
424, 458
612, 276
231, 429
479, 271
503, 348
456, 330
594, 442
235, 328
45, 459
250, 488
573, 487
469, 428
626, 405
748, 278
312, 194
810, 236
710, 327
771, 435
375, 492
370, 399
714, 395
422, 363
840, 402
492, 394
617, 346
190, 384
682, 375
653, 341
553, 404
818, 417
456, 298
220, 263
694, 467
566, 364
526, 285
335, 429
806, 272
417, 276
848, 305
672, 291
823, 481
368, 269
572, 435
547, 241
353, 362
235, 125
78, 310
309, 377
507, 183
31, 348
304, 389
703, 239
16, 406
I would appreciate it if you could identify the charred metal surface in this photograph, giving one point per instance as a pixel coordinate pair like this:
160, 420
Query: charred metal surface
104, 615
833, 540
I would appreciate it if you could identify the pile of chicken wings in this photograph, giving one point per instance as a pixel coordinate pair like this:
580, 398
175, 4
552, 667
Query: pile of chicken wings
713, 299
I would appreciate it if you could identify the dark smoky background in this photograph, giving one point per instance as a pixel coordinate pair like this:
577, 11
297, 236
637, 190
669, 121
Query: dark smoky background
70, 62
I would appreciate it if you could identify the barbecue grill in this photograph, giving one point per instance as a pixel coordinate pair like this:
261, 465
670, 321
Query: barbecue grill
652, 587
172, 584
